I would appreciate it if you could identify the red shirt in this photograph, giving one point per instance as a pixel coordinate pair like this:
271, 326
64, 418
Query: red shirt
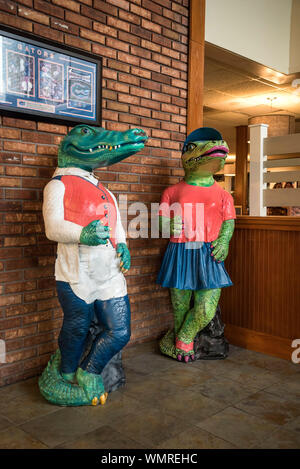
202, 209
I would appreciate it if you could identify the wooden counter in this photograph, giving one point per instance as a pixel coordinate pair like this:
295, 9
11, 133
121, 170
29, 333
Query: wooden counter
262, 309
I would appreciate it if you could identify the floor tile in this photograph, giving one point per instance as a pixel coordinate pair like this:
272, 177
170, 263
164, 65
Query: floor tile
151, 389
192, 407
16, 438
117, 405
102, 438
281, 439
287, 387
273, 408
225, 390
60, 426
247, 400
195, 438
294, 425
138, 349
149, 363
150, 426
24, 388
22, 409
4, 423
184, 377
249, 374
237, 427
274, 364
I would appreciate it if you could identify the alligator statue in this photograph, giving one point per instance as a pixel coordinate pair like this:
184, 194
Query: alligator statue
198, 216
82, 216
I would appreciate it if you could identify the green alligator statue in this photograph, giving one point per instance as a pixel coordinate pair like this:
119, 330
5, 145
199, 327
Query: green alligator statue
82, 216
193, 265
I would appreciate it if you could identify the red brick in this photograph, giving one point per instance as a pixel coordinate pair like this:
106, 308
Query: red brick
44, 31
140, 11
129, 79
141, 32
10, 133
9, 300
92, 36
64, 26
130, 17
19, 146
96, 15
19, 123
118, 24
70, 4
10, 182
33, 15
105, 7
102, 50
8, 6
16, 22
120, 4
49, 9
116, 44
129, 38
77, 42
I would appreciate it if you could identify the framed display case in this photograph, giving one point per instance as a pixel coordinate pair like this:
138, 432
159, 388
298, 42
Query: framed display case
48, 81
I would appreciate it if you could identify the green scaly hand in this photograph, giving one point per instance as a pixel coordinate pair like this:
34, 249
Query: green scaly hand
124, 254
94, 234
220, 246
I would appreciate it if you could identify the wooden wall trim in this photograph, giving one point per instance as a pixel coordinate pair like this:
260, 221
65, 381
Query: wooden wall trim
240, 194
196, 65
268, 223
259, 342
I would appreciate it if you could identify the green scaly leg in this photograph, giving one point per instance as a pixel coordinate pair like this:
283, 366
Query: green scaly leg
181, 304
189, 322
205, 305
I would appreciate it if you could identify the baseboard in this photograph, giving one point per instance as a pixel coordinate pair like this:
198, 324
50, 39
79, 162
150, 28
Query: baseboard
259, 342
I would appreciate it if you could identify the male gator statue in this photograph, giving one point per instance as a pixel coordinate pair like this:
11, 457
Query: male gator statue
193, 262
83, 217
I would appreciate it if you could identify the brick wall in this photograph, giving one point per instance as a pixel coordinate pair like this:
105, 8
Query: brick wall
144, 48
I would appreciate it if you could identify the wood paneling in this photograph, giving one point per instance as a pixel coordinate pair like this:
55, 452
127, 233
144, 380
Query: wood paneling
264, 265
240, 193
196, 65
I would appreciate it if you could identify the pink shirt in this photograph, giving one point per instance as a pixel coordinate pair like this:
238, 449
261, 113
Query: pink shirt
202, 209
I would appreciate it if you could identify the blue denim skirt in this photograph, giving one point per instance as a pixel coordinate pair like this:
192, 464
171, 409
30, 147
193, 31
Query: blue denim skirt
190, 266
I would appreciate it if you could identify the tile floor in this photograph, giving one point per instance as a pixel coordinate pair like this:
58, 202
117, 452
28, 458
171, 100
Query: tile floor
249, 400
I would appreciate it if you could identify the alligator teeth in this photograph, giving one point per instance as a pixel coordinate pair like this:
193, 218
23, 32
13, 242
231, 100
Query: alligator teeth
91, 150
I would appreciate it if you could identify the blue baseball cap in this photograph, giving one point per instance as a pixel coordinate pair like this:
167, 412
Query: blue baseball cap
203, 134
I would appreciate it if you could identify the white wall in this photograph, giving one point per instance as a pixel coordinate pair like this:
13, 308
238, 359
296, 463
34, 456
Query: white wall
257, 29
295, 38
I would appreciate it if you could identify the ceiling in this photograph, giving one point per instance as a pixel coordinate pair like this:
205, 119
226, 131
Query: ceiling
232, 95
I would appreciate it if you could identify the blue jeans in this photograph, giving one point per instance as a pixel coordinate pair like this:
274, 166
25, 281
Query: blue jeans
114, 317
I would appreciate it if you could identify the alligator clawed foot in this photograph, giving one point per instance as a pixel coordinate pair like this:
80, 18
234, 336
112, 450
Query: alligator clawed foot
101, 400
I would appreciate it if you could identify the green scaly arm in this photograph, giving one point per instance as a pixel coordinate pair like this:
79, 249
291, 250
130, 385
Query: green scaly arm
221, 244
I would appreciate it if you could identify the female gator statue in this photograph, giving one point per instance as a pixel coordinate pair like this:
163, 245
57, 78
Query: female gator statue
83, 217
199, 216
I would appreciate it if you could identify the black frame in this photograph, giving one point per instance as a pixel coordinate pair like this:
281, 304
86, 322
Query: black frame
63, 49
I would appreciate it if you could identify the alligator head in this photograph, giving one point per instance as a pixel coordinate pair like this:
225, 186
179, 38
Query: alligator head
88, 147
204, 153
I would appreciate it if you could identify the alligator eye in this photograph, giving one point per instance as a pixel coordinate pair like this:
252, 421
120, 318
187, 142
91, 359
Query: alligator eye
85, 130
191, 146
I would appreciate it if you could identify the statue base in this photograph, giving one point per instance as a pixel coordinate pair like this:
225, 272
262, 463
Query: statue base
210, 343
